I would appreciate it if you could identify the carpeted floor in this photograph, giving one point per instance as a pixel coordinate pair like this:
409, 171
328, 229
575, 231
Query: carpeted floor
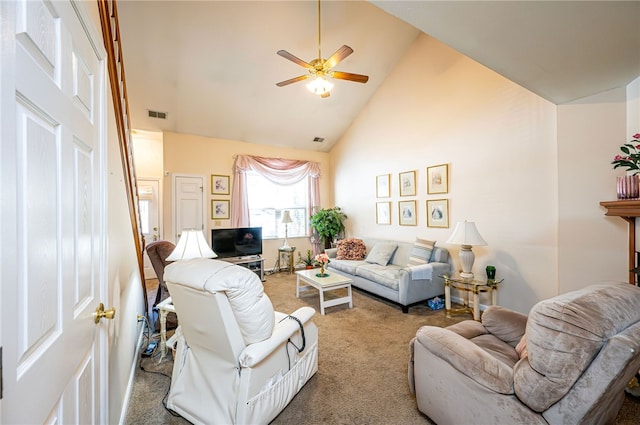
362, 372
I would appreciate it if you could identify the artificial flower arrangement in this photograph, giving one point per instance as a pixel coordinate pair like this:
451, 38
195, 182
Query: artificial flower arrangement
323, 260
631, 158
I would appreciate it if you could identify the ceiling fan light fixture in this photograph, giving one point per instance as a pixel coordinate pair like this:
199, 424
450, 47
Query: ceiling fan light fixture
319, 86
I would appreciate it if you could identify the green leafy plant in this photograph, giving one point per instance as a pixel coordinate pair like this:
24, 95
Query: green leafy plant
328, 223
307, 260
631, 158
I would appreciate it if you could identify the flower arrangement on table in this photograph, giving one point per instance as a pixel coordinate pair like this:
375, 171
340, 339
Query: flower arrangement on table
323, 260
628, 187
631, 158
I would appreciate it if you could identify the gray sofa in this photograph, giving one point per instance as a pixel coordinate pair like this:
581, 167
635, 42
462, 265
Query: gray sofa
567, 362
396, 282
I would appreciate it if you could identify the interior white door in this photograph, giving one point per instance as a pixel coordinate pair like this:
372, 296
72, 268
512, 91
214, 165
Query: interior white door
149, 206
188, 203
52, 129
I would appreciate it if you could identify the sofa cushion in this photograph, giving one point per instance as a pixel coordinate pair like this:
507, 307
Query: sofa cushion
381, 253
346, 266
351, 249
388, 276
439, 255
421, 252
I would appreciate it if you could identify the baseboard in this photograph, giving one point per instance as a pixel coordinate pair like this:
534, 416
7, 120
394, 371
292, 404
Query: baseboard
132, 374
459, 300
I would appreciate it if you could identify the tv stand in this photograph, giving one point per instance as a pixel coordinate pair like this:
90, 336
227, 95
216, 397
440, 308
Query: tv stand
255, 263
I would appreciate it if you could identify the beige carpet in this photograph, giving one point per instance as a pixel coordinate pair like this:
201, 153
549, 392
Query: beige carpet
362, 373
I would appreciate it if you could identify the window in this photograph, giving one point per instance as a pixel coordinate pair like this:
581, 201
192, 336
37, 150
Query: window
267, 201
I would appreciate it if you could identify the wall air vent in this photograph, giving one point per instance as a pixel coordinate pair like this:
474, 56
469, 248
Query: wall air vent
156, 114
318, 139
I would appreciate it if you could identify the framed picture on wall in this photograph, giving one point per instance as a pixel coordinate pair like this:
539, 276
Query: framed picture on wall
219, 184
407, 213
383, 186
220, 209
408, 183
383, 212
438, 179
438, 213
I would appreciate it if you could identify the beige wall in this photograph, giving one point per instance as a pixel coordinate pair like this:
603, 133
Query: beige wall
528, 173
591, 247
124, 287
196, 155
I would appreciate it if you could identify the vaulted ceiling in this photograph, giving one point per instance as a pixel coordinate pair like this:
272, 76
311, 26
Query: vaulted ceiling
212, 65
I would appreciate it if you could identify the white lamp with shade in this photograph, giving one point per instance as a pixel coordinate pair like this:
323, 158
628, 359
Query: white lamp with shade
191, 244
286, 219
466, 234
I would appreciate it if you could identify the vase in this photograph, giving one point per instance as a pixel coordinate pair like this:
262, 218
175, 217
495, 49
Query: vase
628, 187
322, 270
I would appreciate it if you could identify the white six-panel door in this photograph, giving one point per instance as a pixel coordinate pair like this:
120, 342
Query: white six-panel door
53, 148
188, 204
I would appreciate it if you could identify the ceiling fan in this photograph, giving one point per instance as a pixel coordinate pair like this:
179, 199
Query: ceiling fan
322, 68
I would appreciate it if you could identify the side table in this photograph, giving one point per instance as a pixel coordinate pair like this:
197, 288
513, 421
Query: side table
471, 289
165, 307
288, 253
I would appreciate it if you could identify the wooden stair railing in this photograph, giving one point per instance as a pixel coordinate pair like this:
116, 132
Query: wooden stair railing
111, 35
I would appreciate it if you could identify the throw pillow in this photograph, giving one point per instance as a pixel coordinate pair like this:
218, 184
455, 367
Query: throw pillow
381, 253
421, 252
351, 249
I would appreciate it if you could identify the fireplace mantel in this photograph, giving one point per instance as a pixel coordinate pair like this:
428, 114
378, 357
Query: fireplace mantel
628, 210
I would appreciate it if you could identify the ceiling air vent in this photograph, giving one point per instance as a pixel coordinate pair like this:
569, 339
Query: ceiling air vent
318, 139
156, 114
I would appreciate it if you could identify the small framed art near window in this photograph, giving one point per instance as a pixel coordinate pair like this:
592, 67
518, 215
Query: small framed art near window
219, 184
438, 179
438, 213
220, 209
383, 212
383, 186
408, 183
407, 213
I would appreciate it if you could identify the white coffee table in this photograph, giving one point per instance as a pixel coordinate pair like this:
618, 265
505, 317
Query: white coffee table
324, 284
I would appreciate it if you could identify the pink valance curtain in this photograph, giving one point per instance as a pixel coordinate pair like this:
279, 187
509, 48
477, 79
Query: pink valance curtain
277, 170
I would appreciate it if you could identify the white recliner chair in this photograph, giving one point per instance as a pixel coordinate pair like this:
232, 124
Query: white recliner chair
237, 361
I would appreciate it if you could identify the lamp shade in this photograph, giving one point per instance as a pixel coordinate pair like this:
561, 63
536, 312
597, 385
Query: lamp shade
286, 217
466, 233
192, 244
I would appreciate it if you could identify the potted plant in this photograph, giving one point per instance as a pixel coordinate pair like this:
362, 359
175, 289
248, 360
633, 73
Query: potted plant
328, 223
308, 260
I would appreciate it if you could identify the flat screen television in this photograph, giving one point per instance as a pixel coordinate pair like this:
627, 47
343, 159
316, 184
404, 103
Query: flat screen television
237, 242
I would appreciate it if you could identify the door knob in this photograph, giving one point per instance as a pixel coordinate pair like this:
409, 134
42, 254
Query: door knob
101, 312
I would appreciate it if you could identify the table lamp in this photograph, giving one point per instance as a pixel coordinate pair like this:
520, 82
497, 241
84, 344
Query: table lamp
191, 244
286, 219
466, 234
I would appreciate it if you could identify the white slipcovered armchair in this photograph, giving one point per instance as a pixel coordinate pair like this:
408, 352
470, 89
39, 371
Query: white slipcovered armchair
237, 360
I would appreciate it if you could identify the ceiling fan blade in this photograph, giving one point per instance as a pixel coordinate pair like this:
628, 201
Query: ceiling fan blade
292, 80
294, 59
339, 55
358, 78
